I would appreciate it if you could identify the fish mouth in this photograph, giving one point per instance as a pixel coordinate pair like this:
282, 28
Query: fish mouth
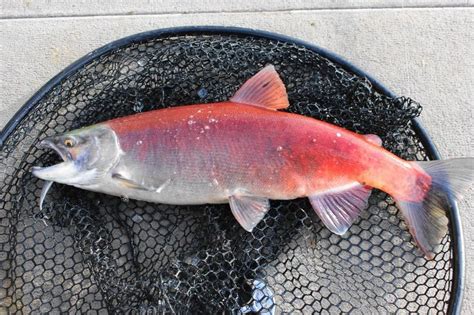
57, 171
54, 172
49, 143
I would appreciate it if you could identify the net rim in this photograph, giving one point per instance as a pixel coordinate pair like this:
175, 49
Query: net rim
458, 262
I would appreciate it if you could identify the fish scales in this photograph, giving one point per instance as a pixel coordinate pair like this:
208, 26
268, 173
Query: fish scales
245, 152
290, 155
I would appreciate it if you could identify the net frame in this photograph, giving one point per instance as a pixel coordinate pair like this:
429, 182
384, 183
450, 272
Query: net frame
455, 227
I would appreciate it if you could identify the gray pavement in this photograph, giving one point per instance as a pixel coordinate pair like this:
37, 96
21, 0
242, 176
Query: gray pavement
422, 49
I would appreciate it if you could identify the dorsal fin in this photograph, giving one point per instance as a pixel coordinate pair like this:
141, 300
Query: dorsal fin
373, 139
265, 89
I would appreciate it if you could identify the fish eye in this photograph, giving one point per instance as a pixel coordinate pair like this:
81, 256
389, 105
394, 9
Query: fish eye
69, 143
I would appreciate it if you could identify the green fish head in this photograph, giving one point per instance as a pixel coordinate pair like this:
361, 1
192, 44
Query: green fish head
87, 153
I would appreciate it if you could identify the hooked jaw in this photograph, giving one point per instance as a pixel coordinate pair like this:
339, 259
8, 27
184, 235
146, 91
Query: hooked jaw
67, 172
52, 173
49, 143
87, 153
58, 172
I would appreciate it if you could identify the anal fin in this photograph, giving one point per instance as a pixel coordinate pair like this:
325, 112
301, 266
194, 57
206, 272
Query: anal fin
248, 210
338, 208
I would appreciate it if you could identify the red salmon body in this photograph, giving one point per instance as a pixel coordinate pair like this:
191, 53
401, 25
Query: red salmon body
245, 152
273, 154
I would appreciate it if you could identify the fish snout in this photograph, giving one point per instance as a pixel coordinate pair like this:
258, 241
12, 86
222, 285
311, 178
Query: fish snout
36, 169
40, 172
46, 143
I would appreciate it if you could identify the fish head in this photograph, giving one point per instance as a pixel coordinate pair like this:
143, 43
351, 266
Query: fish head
87, 153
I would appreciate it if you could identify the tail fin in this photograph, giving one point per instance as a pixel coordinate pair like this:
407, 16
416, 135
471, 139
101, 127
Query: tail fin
427, 220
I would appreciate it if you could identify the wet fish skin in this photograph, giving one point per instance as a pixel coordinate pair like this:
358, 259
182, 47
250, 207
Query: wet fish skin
213, 151
245, 152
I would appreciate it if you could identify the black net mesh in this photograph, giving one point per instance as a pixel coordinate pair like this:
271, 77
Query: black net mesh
88, 252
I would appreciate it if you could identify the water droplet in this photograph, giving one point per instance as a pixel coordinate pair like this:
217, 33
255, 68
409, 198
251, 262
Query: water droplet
338, 135
279, 148
314, 140
125, 198
197, 138
207, 127
190, 122
139, 142
213, 120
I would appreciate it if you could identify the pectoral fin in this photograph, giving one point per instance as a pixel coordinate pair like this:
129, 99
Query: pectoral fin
249, 210
129, 183
340, 207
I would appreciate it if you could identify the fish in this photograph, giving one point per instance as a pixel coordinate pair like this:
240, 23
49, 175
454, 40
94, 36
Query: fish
247, 151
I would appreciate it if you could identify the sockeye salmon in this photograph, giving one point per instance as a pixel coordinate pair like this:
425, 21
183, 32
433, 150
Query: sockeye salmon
245, 152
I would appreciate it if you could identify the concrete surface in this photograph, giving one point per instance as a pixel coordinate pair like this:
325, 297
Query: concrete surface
421, 49
48, 8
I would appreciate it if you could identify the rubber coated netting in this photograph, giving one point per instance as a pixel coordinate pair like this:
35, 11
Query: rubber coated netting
90, 252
